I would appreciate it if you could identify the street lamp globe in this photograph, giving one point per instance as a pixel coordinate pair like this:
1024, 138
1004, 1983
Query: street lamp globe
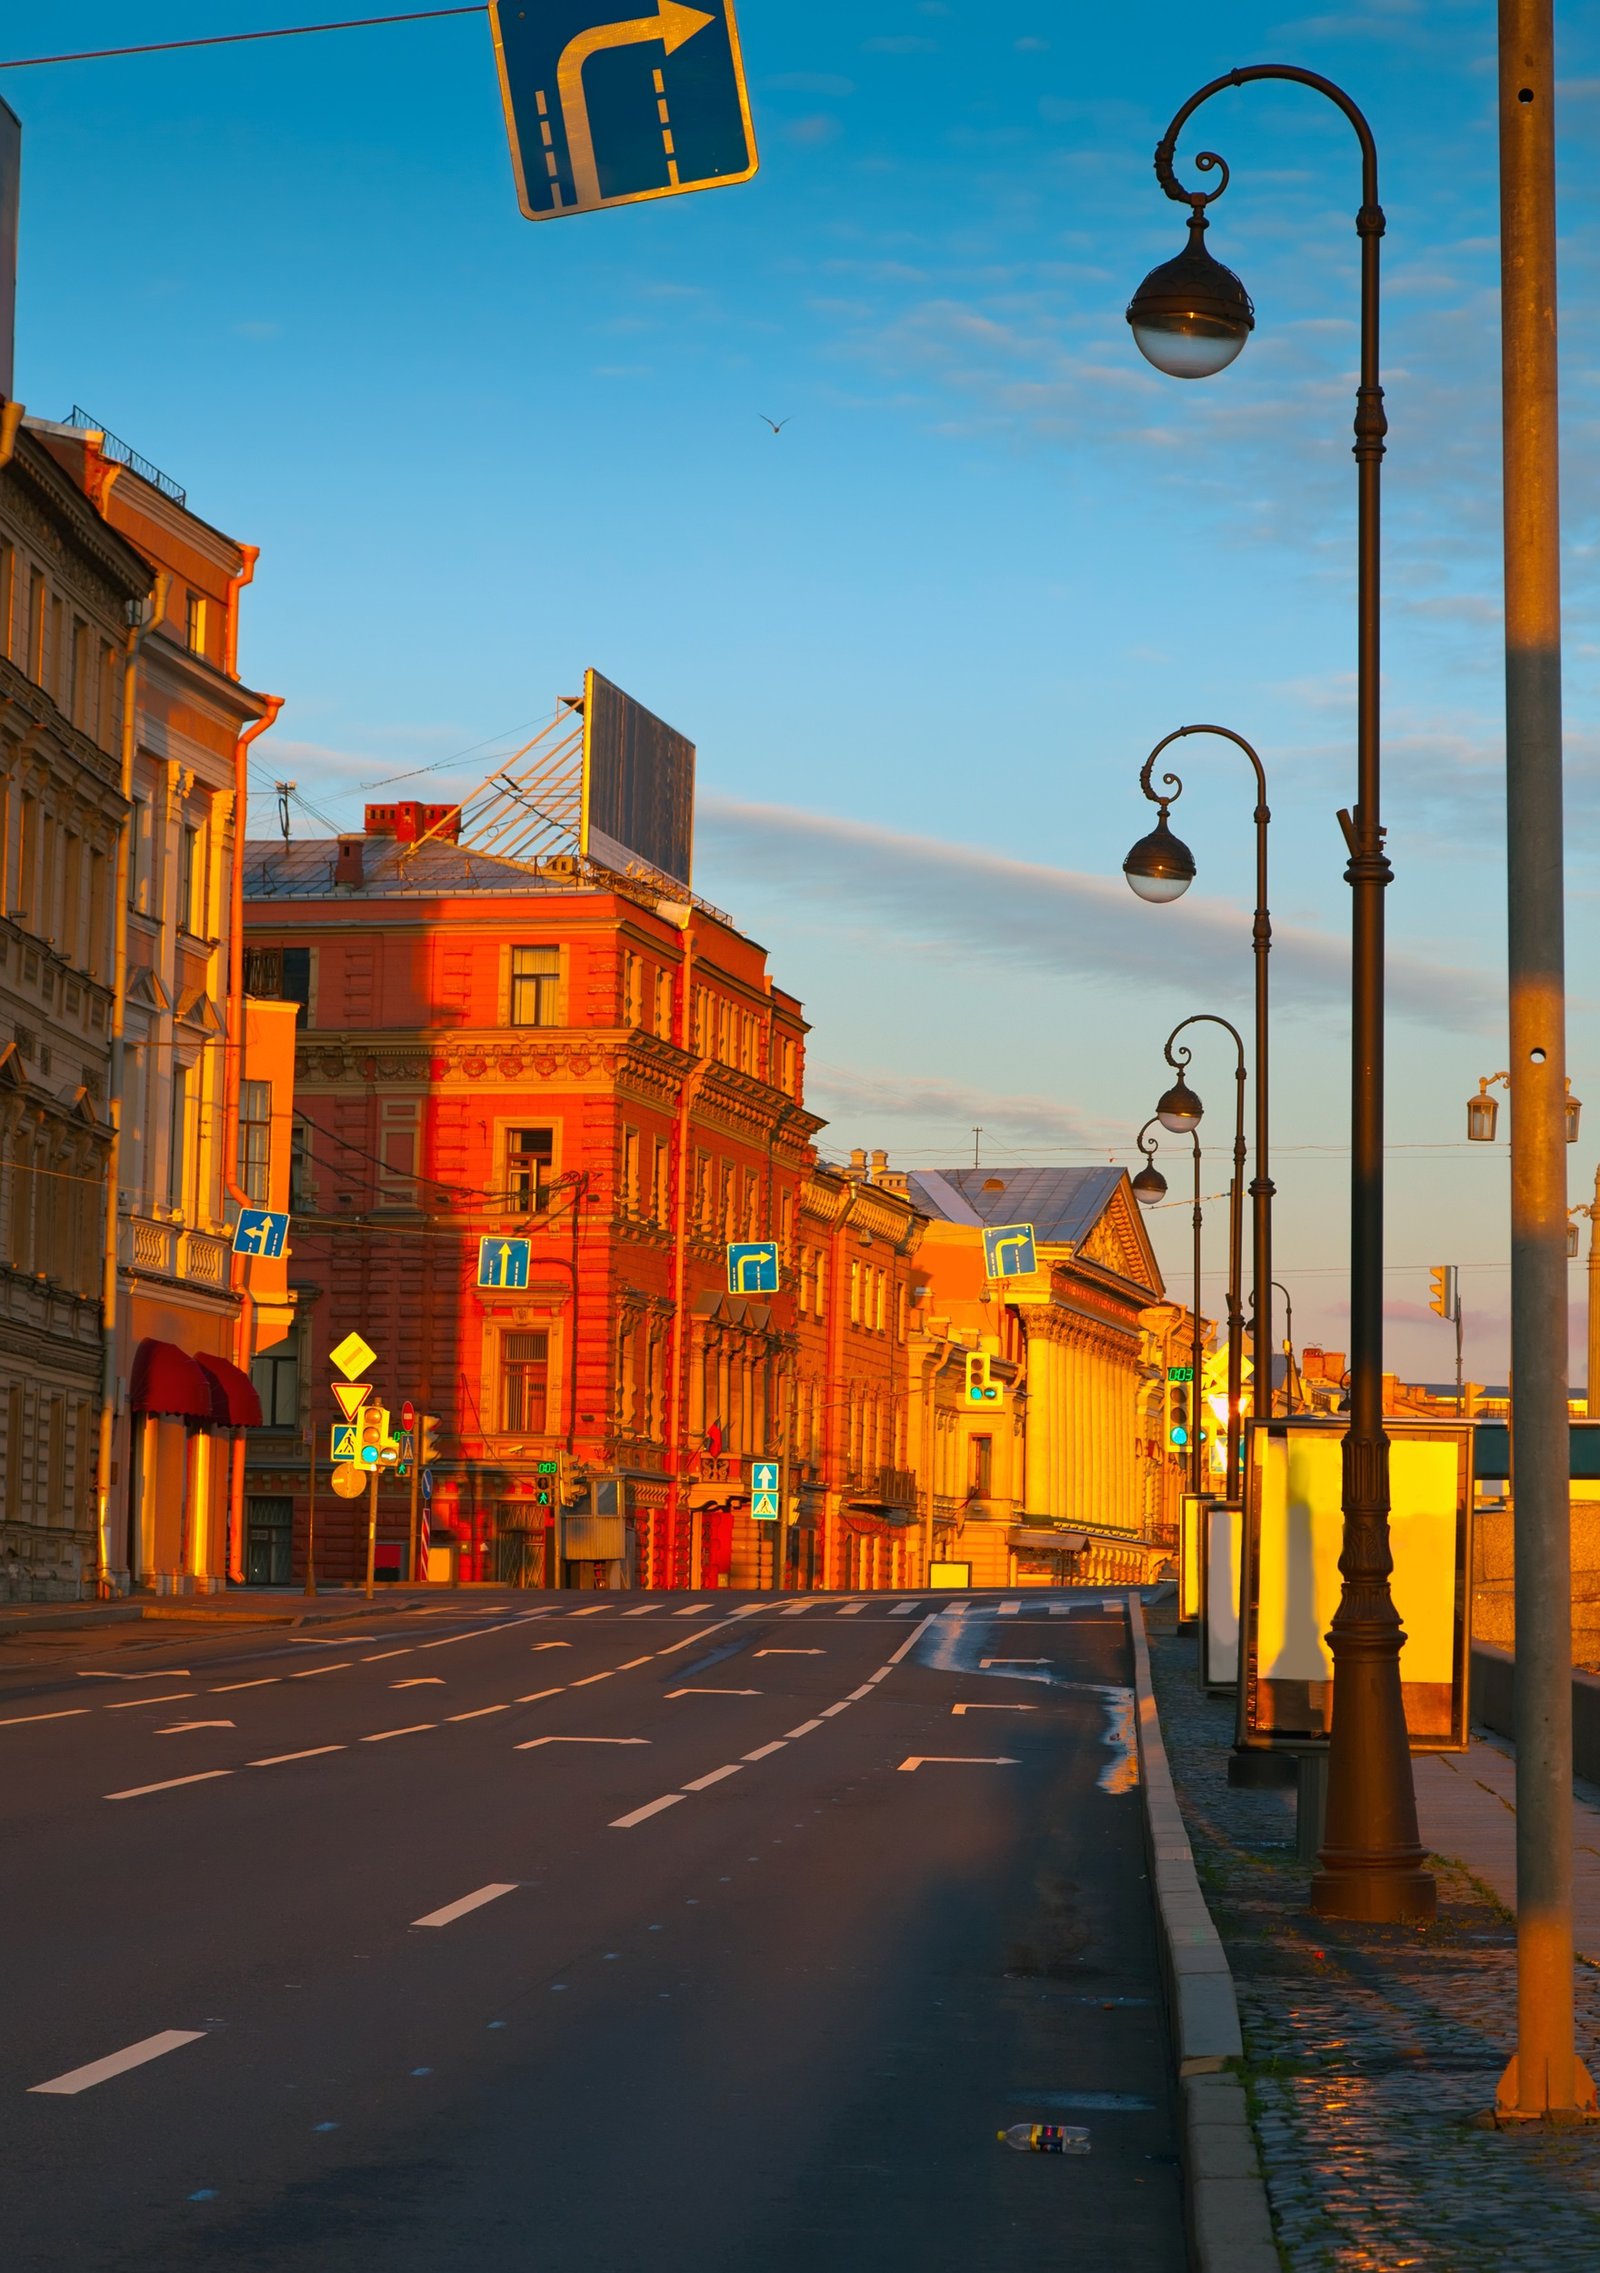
1149, 1186
1191, 316
1160, 866
1180, 1110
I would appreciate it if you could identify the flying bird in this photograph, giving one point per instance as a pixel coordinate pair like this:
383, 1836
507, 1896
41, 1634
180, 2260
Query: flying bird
777, 424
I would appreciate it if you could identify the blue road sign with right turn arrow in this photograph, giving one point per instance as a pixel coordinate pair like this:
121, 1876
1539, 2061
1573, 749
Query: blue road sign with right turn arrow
606, 109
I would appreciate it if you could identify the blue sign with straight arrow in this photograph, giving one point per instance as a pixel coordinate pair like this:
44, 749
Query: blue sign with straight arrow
605, 108
503, 1262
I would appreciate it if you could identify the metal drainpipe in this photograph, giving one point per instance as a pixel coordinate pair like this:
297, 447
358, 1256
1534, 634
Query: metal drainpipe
677, 1371
233, 1065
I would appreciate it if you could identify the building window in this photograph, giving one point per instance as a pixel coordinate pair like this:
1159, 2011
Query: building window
529, 1155
524, 1383
138, 857
855, 1292
255, 1141
822, 1282
178, 1137
535, 974
302, 1192
279, 974
276, 1376
192, 881
630, 1171
660, 1180
664, 1005
194, 623
980, 1467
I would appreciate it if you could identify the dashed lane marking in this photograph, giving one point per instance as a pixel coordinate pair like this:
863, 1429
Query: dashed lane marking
118, 2063
628, 1664
263, 1681
534, 1742
536, 1696
696, 1692
481, 1713
282, 1759
378, 1656
763, 1751
646, 1610
804, 1729
174, 1697
593, 1611
791, 1653
382, 1735
695, 1610
953, 1760
592, 1677
342, 1665
702, 1783
171, 1784
67, 1713
640, 1814
454, 1910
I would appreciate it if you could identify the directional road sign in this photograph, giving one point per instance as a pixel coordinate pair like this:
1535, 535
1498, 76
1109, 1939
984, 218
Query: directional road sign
503, 1262
260, 1231
351, 1355
1009, 1251
350, 1396
765, 1485
753, 1269
345, 1439
606, 108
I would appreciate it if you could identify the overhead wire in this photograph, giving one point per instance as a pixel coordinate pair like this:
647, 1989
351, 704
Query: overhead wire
235, 39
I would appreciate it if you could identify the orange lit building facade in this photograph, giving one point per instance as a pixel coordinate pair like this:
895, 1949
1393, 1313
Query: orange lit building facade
489, 1053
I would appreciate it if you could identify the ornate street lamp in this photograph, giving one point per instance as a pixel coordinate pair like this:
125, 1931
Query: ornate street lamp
1161, 868
1150, 1186
1191, 319
1483, 1111
1181, 1110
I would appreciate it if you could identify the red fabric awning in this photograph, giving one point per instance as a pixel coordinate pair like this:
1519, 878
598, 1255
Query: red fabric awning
167, 1380
234, 1403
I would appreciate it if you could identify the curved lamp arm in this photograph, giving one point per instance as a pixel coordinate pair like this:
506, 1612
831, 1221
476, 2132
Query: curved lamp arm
1369, 222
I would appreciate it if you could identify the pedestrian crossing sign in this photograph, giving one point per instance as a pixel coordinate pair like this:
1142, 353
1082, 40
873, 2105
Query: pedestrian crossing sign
345, 1437
766, 1479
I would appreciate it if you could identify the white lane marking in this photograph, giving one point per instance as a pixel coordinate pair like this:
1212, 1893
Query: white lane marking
649, 1610
852, 1609
535, 1695
1113, 1602
856, 1695
983, 1661
762, 1751
593, 1611
1009, 1609
791, 1653
804, 1729
383, 1735
454, 1910
138, 1791
797, 1610
902, 1610
590, 1677
913, 1637
282, 1759
68, 1712
263, 1681
534, 1742
534, 1647
342, 1665
444, 1641
628, 1664
701, 1782
167, 1673
118, 2063
641, 1814
696, 1692
126, 1704
748, 1610
843, 1705
479, 1714
994, 1708
182, 1728
378, 1656
695, 1610
420, 1681
954, 1760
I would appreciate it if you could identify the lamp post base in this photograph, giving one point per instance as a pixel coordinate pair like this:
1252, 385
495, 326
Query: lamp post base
1375, 1893
1506, 2115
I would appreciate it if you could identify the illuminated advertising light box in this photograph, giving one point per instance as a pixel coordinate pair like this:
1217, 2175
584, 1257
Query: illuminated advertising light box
1293, 1535
950, 1574
1221, 1532
1190, 1519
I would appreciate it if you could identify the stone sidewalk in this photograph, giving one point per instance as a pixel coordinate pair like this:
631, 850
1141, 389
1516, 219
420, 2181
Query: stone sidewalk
1369, 2050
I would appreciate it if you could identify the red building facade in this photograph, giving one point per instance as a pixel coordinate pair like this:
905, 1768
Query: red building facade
489, 1055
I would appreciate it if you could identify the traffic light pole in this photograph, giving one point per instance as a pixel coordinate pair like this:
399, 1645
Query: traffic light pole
416, 1485
372, 1530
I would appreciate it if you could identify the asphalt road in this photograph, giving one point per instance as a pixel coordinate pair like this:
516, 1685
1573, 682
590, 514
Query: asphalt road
585, 1936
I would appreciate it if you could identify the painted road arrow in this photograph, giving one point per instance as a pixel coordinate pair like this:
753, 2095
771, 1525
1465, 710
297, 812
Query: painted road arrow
534, 1742
953, 1760
994, 1708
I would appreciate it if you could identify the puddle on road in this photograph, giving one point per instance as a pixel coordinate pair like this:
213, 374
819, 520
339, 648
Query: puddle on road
957, 1647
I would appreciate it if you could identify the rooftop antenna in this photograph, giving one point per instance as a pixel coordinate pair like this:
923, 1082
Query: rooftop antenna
286, 790
977, 1138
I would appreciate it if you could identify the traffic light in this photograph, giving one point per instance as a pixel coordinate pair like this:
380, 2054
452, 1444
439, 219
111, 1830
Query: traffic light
980, 1390
1443, 1298
427, 1440
1179, 1418
547, 1485
374, 1435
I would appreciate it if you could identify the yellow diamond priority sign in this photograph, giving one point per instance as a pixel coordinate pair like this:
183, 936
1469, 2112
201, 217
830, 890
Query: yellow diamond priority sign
352, 1355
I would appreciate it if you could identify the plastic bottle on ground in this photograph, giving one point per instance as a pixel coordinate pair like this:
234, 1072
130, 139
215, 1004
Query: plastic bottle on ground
1046, 2138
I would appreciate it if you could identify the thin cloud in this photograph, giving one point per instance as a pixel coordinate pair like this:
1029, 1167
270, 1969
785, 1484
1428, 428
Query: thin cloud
1089, 927
947, 1110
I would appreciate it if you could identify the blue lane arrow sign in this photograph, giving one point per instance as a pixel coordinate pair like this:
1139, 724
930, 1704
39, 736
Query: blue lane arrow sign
503, 1262
1009, 1251
604, 108
765, 1477
260, 1231
753, 1268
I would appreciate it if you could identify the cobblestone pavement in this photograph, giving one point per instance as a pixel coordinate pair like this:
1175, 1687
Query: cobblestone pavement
1369, 2049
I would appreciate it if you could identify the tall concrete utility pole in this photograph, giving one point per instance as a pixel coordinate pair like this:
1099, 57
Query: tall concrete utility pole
1545, 2080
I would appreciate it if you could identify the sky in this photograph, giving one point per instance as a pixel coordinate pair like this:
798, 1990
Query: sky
924, 637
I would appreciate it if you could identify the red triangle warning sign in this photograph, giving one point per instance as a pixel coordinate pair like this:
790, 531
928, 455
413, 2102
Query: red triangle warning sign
350, 1396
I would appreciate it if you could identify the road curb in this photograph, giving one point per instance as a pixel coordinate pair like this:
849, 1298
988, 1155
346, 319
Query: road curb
1230, 2224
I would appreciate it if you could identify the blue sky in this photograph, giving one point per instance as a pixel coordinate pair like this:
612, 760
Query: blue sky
925, 637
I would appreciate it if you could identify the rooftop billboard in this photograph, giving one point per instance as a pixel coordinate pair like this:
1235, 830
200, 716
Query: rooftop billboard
638, 786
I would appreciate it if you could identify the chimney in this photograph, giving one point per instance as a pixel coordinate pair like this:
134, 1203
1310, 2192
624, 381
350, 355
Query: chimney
858, 1161
347, 868
880, 1161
